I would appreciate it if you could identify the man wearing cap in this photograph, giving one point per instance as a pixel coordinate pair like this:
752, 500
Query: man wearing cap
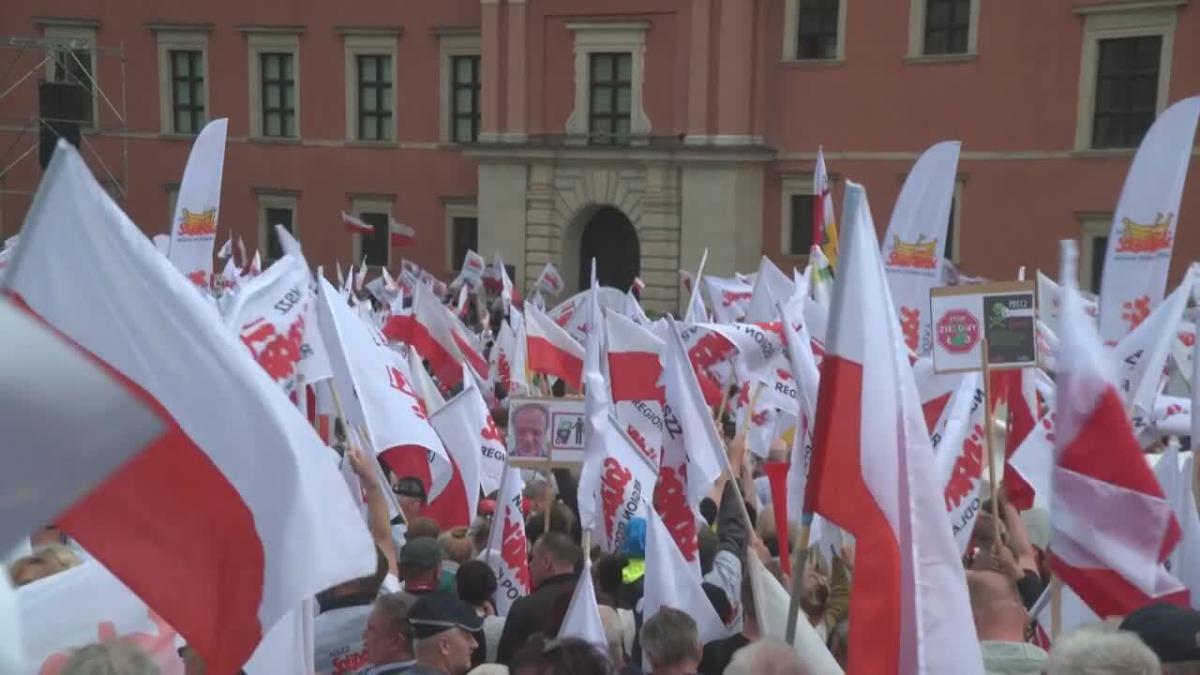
445, 631
421, 565
410, 496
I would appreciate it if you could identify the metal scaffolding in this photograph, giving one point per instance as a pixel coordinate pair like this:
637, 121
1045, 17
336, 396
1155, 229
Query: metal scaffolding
22, 58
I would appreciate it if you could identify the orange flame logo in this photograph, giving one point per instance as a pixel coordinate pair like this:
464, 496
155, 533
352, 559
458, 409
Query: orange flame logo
198, 224
918, 255
1141, 238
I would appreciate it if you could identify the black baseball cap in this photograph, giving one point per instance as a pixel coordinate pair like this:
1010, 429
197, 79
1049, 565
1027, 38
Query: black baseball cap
1173, 633
410, 486
441, 611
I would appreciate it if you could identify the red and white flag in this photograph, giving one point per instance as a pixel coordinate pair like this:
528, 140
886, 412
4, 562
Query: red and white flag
401, 234
377, 390
916, 240
961, 459
198, 497
1143, 229
425, 387
549, 281
1110, 527
771, 287
475, 443
441, 339
729, 298
356, 225
551, 350
473, 266
194, 224
507, 352
668, 582
872, 473
614, 486
1176, 482
508, 548
634, 373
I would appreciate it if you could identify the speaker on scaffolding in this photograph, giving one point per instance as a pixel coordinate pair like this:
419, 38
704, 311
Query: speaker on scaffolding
60, 111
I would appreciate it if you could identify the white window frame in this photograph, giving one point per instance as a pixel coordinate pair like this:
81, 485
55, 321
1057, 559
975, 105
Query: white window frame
591, 37
66, 31
463, 42
268, 199
170, 39
258, 42
368, 43
456, 209
1092, 226
916, 35
372, 204
1143, 18
789, 185
791, 37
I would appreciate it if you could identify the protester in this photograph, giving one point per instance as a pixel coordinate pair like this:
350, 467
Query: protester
553, 570
457, 546
571, 656
377, 506
768, 657
117, 657
718, 654
342, 619
1173, 633
1101, 650
388, 635
1000, 622
671, 643
476, 584
421, 566
410, 496
445, 631
423, 528
45, 561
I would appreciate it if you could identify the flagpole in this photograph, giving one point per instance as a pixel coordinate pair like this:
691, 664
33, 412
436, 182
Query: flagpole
987, 439
725, 397
496, 512
798, 562
1055, 607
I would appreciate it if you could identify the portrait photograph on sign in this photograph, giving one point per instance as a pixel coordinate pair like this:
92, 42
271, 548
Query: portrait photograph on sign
1000, 315
545, 430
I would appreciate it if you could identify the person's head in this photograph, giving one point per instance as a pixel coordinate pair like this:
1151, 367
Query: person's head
1101, 650
607, 575
422, 528
562, 519
671, 642
613, 635
481, 529
476, 583
47, 560
410, 495
110, 658
388, 636
420, 564
554, 553
1172, 633
538, 493
570, 656
765, 657
444, 629
530, 424
996, 604
457, 545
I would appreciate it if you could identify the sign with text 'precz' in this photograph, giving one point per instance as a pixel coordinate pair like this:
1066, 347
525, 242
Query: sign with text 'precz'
1000, 315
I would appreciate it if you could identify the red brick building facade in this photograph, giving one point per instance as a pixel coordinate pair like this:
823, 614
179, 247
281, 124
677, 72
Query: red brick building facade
640, 131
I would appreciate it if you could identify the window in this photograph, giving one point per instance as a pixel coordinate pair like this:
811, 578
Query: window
1125, 71
817, 29
374, 97
274, 84
1093, 247
375, 246
72, 60
183, 77
610, 98
275, 207
466, 238
278, 94
801, 224
464, 99
947, 26
1126, 90
609, 68
954, 228
187, 90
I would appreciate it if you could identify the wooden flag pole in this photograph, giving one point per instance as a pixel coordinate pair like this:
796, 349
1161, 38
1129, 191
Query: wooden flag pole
799, 554
1055, 607
987, 438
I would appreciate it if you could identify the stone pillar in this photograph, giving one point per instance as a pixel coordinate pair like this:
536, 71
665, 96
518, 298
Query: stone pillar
698, 72
658, 236
543, 240
735, 72
490, 63
517, 93
722, 207
501, 206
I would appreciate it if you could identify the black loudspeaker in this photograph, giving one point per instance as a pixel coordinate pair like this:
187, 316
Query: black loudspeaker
60, 109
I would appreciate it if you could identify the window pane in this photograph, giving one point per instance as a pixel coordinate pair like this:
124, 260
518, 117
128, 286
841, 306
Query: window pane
366, 69
369, 99
369, 128
462, 130
276, 216
602, 99
462, 70
285, 67
801, 224
271, 97
1126, 96
625, 68
463, 98
601, 68
624, 96
183, 93
270, 67
1099, 248
817, 22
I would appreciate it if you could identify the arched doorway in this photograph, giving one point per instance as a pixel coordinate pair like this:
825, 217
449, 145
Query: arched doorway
610, 238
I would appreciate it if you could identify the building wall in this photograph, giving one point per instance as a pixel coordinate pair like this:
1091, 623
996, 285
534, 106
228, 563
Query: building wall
732, 123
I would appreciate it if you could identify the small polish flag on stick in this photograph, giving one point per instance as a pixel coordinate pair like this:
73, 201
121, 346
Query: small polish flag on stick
402, 235
355, 225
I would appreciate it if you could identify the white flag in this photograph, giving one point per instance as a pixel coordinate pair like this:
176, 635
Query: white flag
508, 548
194, 225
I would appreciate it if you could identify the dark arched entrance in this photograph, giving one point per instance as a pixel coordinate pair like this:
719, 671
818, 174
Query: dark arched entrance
609, 237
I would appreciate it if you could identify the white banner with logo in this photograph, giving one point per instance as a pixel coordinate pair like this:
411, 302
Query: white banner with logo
194, 225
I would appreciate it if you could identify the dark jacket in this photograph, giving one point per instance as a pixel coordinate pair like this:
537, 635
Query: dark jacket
528, 615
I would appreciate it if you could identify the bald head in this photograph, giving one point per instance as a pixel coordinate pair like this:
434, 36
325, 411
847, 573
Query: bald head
996, 605
766, 657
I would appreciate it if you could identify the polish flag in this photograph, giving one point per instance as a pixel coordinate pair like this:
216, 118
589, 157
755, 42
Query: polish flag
169, 522
551, 350
356, 226
504, 358
439, 337
689, 421
1022, 413
461, 424
507, 547
634, 361
1110, 526
872, 473
401, 234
